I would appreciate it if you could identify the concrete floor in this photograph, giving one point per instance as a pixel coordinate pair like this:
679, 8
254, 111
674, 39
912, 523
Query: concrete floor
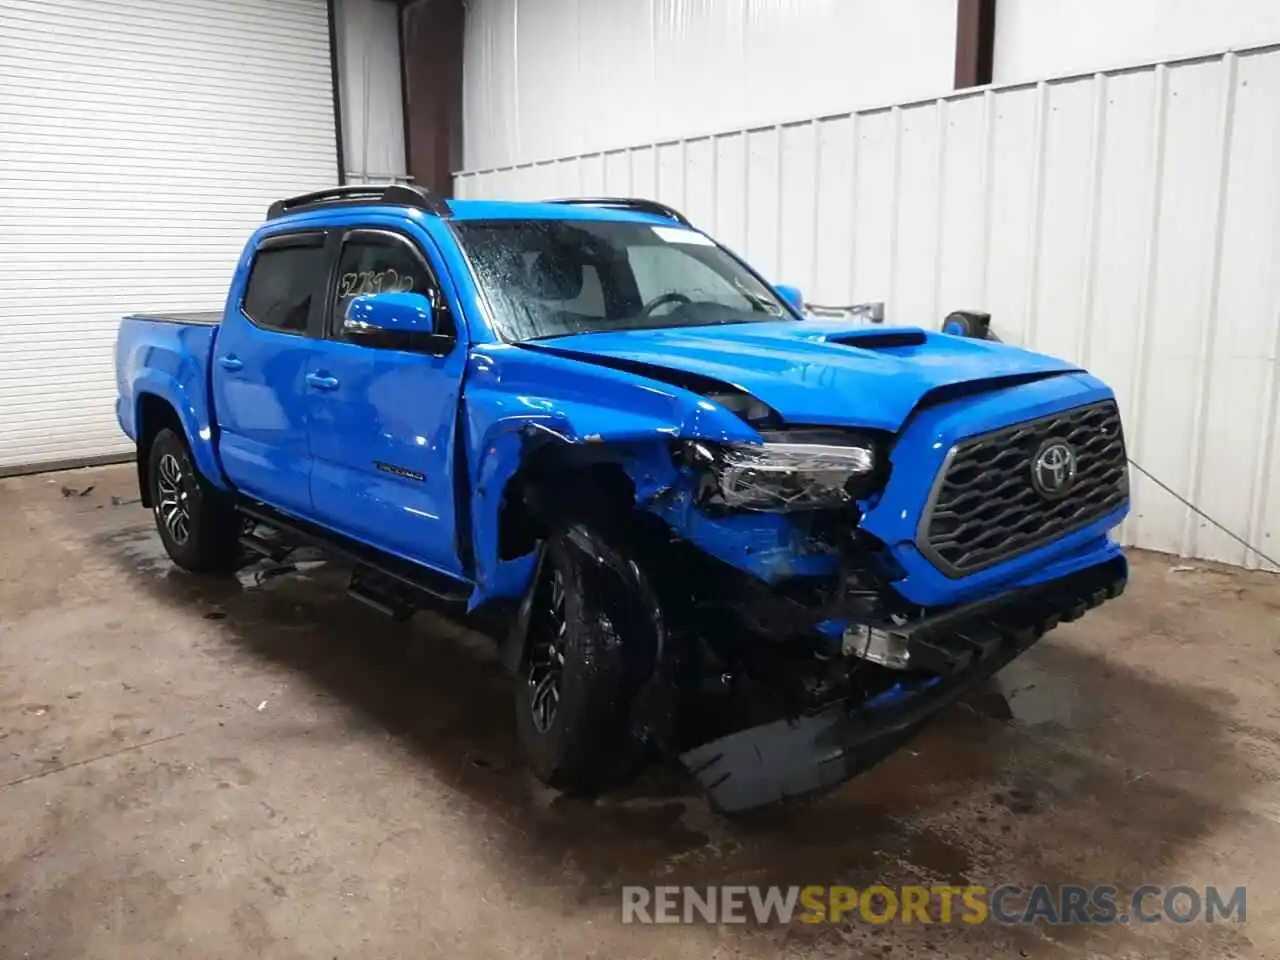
261, 767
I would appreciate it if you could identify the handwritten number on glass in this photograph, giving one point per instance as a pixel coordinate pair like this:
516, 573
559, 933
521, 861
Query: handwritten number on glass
365, 282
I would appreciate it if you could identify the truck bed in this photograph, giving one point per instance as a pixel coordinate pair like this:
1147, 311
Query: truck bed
168, 355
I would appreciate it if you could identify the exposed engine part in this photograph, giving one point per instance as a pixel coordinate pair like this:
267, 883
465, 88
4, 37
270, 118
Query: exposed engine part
878, 646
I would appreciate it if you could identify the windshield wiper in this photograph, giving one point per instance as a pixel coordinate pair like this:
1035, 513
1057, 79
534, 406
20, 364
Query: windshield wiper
761, 304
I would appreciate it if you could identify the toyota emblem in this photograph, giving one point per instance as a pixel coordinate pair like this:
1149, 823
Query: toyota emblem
1053, 469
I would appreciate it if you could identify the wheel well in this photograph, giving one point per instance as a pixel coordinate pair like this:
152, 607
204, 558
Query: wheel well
555, 485
154, 414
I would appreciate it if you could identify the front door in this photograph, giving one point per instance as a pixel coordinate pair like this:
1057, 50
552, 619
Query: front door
382, 421
262, 353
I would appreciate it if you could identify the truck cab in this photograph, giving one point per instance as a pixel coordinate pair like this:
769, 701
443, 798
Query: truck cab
679, 495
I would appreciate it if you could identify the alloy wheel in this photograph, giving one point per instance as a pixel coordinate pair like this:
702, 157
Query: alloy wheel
546, 654
173, 504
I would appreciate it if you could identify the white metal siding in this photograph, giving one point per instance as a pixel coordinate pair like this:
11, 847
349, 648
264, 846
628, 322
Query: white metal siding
543, 78
1129, 221
1037, 38
140, 142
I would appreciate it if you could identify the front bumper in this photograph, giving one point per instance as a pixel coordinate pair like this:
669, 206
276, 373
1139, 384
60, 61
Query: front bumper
793, 757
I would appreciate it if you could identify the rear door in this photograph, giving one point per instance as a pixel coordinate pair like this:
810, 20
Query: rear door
264, 349
383, 421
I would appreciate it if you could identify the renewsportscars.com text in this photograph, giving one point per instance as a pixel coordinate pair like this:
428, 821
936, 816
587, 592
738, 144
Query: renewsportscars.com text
1008, 904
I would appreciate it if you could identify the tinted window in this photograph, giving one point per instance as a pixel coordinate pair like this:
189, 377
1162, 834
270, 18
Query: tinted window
282, 284
382, 263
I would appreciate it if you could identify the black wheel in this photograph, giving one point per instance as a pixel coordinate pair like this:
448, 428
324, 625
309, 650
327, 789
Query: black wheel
197, 524
573, 694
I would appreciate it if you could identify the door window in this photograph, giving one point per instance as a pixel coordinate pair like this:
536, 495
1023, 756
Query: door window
382, 262
286, 276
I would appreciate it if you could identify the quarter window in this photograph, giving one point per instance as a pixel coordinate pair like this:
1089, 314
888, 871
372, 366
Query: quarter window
284, 281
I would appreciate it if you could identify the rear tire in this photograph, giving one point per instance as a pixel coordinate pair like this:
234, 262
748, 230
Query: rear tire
196, 521
573, 695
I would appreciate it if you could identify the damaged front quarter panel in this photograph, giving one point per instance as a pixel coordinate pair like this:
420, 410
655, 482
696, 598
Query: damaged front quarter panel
770, 546
518, 401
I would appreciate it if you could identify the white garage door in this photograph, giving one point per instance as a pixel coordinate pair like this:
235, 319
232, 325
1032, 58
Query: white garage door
140, 142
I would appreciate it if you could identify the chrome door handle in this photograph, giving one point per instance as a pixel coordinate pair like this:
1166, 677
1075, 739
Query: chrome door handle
230, 362
322, 381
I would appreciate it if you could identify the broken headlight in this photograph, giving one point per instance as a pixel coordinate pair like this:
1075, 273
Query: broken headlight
791, 470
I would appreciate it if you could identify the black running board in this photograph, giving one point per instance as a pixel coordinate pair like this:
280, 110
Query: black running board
275, 552
409, 577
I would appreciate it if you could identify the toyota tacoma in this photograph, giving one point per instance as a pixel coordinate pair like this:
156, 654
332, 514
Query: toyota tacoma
711, 528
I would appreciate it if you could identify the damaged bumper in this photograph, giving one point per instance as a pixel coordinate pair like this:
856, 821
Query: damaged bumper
965, 645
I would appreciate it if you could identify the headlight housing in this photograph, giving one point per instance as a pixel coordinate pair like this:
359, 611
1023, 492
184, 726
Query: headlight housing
791, 470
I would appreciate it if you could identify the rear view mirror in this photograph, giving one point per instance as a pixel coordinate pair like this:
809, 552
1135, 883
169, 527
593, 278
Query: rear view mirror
791, 295
390, 319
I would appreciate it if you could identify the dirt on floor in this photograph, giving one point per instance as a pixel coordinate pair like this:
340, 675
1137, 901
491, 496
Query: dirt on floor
259, 766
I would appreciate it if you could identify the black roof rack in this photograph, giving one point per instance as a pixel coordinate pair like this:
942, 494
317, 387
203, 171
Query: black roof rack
628, 203
394, 194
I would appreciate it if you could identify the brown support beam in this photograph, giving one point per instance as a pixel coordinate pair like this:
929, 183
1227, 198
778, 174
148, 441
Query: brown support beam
332, 8
431, 40
975, 41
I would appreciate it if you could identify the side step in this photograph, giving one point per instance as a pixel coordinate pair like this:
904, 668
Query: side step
379, 593
275, 552
385, 583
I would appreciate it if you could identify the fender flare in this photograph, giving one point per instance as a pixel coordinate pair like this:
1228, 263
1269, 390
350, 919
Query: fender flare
191, 415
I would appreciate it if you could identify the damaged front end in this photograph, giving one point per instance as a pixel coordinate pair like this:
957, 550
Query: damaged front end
936, 660
799, 664
788, 631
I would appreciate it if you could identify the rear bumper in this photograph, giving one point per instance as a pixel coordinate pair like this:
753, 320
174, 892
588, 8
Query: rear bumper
790, 758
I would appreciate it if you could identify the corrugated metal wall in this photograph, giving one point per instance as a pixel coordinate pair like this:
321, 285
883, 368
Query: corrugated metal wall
1127, 220
547, 77
1040, 38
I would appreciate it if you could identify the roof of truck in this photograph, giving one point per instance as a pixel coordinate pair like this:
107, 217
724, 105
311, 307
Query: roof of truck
408, 196
525, 210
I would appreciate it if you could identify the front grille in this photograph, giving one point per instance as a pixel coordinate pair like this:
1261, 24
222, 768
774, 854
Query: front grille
985, 508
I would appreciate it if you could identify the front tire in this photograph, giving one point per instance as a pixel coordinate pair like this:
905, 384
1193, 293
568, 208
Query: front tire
196, 522
573, 695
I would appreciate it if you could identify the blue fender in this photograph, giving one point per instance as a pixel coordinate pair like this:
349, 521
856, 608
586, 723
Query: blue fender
169, 361
517, 399
195, 423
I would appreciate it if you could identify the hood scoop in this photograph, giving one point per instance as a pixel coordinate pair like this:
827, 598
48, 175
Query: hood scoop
880, 339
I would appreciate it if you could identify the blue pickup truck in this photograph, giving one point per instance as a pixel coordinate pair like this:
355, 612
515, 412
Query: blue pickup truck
711, 528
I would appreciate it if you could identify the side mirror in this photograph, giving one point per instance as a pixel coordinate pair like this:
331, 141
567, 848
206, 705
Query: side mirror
390, 319
791, 294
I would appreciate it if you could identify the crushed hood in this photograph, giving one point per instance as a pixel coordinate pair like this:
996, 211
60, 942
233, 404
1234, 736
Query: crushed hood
815, 371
